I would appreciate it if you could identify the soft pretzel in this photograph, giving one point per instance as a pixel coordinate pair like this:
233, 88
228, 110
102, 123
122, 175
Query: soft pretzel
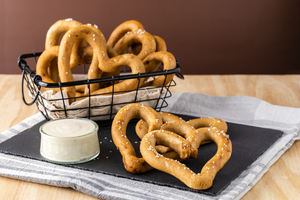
171, 123
160, 46
169, 62
137, 36
98, 43
43, 62
178, 125
141, 127
118, 131
208, 122
121, 30
51, 54
87, 54
201, 181
52, 39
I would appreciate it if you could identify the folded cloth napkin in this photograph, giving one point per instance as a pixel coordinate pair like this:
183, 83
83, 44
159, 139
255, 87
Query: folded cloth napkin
239, 109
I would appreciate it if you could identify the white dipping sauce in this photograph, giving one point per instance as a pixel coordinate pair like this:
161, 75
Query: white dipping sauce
70, 140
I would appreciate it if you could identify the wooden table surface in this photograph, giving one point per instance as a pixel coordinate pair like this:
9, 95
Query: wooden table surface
282, 181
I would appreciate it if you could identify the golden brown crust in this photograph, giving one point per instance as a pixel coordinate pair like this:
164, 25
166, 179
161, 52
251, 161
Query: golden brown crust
121, 30
201, 181
98, 43
176, 124
209, 122
44, 61
118, 131
83, 44
52, 39
160, 45
169, 63
137, 36
171, 123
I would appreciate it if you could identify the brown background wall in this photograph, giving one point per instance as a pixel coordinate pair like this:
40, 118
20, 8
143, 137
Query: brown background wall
207, 37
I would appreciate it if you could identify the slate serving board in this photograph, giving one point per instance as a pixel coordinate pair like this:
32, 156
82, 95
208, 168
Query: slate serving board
248, 143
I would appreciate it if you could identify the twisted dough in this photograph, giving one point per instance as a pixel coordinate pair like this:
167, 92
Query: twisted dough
139, 36
201, 181
177, 125
121, 30
159, 43
52, 39
98, 43
152, 60
185, 129
118, 131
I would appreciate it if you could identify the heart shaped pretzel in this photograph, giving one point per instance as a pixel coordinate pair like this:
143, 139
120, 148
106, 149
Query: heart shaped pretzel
154, 121
98, 43
201, 181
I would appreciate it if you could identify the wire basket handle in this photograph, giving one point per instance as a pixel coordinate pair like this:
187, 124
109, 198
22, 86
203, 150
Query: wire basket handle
25, 69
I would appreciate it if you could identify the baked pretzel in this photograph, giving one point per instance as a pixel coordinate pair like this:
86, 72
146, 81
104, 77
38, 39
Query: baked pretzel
121, 30
43, 62
118, 131
52, 39
154, 59
201, 181
154, 64
208, 122
137, 36
141, 127
160, 46
98, 43
86, 55
171, 123
178, 125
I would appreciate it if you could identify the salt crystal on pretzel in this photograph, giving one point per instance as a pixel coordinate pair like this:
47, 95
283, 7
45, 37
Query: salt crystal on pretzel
201, 181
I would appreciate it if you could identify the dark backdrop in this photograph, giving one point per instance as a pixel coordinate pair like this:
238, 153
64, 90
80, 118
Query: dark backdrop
207, 37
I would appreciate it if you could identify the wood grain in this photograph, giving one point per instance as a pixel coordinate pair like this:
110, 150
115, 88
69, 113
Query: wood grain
282, 181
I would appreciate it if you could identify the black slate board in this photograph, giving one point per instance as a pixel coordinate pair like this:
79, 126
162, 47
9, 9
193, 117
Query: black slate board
248, 143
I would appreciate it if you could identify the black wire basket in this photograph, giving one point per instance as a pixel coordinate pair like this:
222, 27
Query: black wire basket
99, 107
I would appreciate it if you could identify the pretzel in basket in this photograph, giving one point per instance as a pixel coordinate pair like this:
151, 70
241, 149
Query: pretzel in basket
52, 39
201, 181
154, 121
98, 43
159, 43
153, 61
137, 36
121, 30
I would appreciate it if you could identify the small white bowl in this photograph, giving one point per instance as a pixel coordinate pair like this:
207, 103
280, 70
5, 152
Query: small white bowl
69, 140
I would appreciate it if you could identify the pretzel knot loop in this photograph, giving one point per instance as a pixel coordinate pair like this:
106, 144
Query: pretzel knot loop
201, 181
153, 119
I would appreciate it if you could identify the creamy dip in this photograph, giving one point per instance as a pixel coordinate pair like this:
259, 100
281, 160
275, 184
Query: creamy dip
71, 140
